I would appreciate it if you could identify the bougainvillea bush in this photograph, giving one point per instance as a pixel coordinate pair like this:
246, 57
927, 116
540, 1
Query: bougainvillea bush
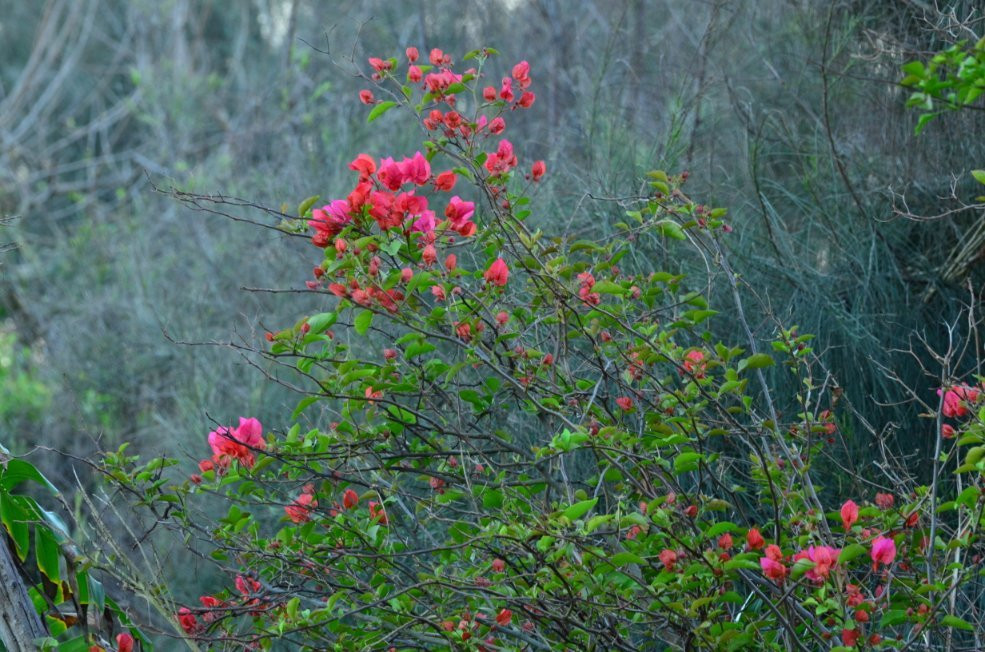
513, 440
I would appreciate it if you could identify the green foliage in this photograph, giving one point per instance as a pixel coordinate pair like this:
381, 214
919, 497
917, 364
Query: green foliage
557, 457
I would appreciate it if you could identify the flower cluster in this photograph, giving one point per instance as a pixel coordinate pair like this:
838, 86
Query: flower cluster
238, 443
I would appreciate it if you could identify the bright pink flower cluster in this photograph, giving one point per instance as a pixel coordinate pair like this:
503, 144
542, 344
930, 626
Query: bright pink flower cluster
236, 443
958, 399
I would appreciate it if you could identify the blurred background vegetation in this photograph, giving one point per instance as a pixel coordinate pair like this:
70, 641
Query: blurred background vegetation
788, 112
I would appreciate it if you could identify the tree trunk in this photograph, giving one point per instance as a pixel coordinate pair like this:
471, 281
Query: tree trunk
20, 625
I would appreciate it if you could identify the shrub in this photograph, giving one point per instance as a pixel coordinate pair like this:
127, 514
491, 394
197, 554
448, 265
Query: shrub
508, 442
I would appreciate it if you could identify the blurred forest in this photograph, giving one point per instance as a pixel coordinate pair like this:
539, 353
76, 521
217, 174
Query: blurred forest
121, 309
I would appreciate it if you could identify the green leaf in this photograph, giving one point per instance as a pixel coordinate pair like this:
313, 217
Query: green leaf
363, 321
307, 204
757, 361
671, 229
850, 552
685, 462
719, 528
623, 558
580, 508
17, 471
608, 287
14, 517
958, 623
321, 322
979, 176
47, 553
380, 109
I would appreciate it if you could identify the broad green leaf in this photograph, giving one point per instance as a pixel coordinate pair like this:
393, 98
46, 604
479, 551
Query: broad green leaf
17, 471
850, 552
757, 361
307, 204
47, 553
958, 623
14, 517
363, 321
685, 462
979, 176
580, 508
623, 558
671, 229
380, 109
321, 322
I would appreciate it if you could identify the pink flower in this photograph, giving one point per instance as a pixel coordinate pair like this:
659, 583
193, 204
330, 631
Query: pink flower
366, 96
849, 514
390, 174
625, 403
406, 274
300, 510
459, 212
504, 617
725, 541
429, 255
849, 637
380, 65
412, 54
506, 90
437, 57
537, 170
498, 273
502, 160
885, 501
498, 565
489, 94
883, 551
824, 559
424, 223
227, 443
773, 552
497, 125
451, 262
947, 431
416, 169
957, 399
668, 558
772, 569
414, 74
332, 218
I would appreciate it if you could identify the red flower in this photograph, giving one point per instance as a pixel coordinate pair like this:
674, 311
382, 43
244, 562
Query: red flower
412, 54
526, 100
377, 513
725, 541
625, 403
239, 443
498, 565
947, 431
366, 96
849, 637
414, 74
849, 514
300, 510
489, 94
497, 125
364, 165
885, 501
773, 569
187, 620
429, 255
537, 170
498, 273
349, 499
445, 181
668, 558
504, 617
754, 539
124, 642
